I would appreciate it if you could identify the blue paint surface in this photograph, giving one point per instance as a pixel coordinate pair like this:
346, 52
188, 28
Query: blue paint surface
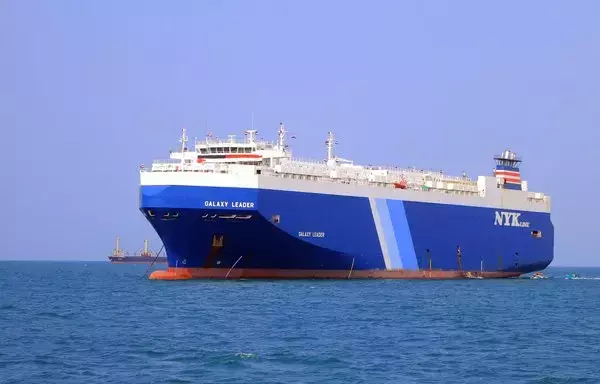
294, 230
389, 233
441, 228
403, 234
513, 186
506, 168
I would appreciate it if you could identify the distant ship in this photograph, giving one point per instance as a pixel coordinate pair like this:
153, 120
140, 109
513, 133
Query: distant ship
246, 209
144, 257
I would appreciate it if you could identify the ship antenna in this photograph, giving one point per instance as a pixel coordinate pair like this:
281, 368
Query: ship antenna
183, 141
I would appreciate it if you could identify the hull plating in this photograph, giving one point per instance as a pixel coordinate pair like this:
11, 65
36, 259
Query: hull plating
236, 232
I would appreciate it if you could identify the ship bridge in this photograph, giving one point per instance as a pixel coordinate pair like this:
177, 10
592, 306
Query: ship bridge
248, 151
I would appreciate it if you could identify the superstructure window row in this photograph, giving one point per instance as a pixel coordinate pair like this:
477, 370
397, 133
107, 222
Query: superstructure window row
227, 150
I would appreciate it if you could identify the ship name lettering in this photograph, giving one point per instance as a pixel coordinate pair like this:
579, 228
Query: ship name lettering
311, 234
510, 219
229, 204
242, 204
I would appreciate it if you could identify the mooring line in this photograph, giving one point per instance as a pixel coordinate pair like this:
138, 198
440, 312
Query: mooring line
233, 266
151, 264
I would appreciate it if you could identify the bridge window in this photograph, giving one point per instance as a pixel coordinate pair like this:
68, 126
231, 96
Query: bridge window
536, 234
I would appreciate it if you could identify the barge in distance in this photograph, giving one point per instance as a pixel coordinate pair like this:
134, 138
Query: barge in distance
245, 208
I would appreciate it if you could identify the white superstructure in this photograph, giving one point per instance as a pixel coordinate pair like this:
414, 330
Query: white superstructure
255, 163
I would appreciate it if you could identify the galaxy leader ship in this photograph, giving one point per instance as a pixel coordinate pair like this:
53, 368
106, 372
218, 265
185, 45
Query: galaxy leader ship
246, 209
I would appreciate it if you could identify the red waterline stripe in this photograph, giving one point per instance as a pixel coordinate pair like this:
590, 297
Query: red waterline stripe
255, 273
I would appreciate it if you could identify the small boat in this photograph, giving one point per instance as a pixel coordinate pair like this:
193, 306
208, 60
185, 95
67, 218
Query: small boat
538, 275
469, 275
571, 276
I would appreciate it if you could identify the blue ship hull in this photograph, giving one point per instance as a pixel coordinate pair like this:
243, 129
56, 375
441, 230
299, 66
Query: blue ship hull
284, 230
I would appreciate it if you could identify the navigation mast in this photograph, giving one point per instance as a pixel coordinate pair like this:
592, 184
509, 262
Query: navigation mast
329, 143
281, 137
183, 140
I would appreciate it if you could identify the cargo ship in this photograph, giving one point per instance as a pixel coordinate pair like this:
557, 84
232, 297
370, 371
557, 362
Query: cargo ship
144, 257
245, 208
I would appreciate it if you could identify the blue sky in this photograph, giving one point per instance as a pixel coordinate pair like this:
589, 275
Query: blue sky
91, 90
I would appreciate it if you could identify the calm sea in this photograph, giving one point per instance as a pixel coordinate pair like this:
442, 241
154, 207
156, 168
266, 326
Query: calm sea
78, 322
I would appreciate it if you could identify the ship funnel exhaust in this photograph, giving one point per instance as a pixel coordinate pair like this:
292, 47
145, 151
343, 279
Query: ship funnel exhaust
507, 170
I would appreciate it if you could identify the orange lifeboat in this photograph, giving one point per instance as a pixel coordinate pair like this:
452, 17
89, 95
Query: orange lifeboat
400, 184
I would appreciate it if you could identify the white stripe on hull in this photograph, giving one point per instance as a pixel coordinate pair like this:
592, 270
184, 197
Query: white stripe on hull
380, 233
497, 198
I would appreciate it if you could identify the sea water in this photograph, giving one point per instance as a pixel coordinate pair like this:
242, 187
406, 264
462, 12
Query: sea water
93, 322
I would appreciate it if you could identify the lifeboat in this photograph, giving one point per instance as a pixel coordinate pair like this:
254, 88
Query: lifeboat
400, 184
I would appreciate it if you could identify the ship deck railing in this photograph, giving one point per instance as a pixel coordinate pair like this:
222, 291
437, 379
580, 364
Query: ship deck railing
398, 172
316, 168
395, 170
373, 174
